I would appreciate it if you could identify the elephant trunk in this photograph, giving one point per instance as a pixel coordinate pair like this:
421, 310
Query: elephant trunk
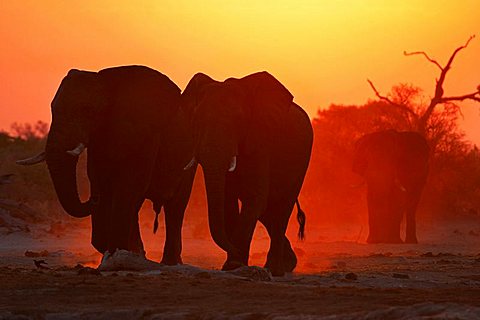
62, 167
215, 186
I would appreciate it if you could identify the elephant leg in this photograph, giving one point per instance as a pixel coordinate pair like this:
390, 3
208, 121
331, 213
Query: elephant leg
243, 233
124, 232
252, 209
100, 223
391, 226
250, 184
411, 225
232, 222
135, 243
374, 213
281, 257
232, 210
289, 257
172, 249
174, 214
275, 257
101, 227
384, 216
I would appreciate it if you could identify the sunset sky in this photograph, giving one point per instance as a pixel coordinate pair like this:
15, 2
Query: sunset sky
323, 51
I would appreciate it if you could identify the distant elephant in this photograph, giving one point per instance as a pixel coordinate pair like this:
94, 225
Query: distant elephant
254, 145
138, 144
395, 168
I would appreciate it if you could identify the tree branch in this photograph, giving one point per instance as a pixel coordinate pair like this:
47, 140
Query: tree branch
438, 97
423, 53
384, 98
378, 94
449, 63
475, 96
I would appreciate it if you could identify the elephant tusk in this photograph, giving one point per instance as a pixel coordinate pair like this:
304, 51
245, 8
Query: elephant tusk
233, 164
77, 151
33, 160
190, 164
400, 186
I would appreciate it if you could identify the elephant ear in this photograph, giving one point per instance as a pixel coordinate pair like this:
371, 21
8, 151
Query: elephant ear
268, 103
194, 92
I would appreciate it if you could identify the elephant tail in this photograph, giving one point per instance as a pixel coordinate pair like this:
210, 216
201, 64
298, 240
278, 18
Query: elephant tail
301, 218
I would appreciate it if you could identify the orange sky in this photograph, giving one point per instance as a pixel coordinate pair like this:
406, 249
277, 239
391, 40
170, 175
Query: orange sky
323, 51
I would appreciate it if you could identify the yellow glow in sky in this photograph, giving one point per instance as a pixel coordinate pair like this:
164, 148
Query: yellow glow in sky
323, 51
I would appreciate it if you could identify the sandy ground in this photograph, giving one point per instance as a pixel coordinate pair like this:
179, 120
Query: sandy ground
347, 279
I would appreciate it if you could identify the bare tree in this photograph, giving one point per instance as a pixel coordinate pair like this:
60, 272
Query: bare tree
421, 118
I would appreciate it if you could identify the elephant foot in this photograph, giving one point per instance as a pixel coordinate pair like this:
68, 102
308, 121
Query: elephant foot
171, 261
411, 240
232, 265
279, 269
276, 271
289, 262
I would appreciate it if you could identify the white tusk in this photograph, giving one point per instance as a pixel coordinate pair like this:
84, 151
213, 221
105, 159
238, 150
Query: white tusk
33, 160
233, 164
77, 151
190, 164
400, 186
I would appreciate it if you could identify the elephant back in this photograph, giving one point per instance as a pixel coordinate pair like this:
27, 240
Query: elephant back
139, 93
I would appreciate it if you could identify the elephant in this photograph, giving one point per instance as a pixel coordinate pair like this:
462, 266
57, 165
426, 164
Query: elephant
395, 168
254, 144
138, 142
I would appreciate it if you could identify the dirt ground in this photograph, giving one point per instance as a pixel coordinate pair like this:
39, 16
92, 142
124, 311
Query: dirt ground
335, 279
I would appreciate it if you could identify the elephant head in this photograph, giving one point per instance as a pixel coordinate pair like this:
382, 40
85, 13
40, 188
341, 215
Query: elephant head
76, 107
230, 118
376, 157
214, 117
